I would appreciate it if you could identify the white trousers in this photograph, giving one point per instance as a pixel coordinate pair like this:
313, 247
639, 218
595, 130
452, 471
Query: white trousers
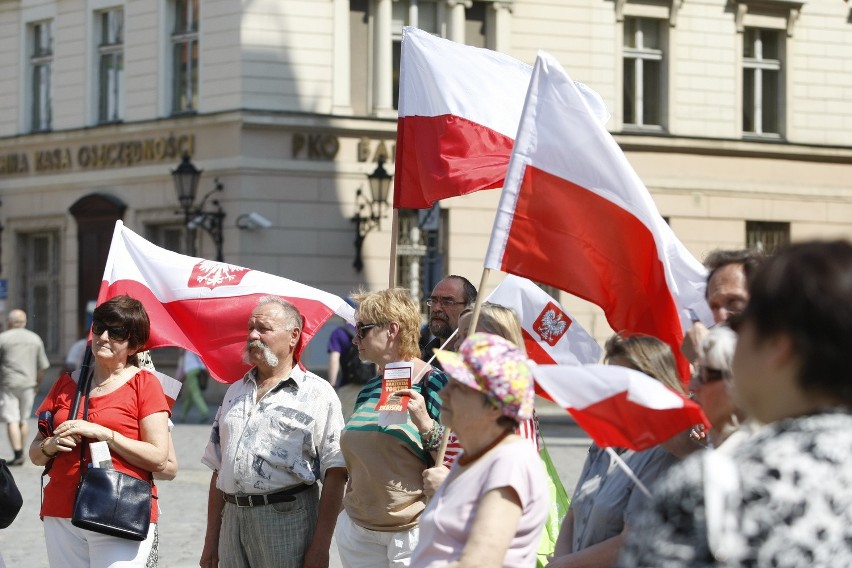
72, 547
363, 548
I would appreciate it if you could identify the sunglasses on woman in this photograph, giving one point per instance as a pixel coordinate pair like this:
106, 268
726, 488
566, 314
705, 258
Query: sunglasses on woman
115, 332
361, 329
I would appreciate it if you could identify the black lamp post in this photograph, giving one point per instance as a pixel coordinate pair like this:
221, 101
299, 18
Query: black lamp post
370, 209
186, 177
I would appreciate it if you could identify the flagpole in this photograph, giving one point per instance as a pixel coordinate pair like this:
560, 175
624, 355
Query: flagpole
626, 468
474, 319
394, 238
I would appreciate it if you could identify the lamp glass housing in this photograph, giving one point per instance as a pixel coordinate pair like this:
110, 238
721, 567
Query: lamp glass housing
380, 181
186, 178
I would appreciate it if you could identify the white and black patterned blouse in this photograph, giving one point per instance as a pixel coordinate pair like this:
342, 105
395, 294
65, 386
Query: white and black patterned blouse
790, 508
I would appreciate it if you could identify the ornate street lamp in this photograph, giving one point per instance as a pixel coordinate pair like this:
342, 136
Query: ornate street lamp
186, 177
370, 209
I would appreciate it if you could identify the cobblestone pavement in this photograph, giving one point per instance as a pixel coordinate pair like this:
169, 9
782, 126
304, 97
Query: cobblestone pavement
184, 500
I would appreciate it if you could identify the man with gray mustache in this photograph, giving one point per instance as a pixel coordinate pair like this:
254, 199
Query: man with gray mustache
275, 436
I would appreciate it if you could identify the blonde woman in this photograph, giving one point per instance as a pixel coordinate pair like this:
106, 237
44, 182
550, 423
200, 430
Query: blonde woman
384, 500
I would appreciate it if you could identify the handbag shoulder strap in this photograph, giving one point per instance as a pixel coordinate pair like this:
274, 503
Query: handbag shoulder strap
85, 387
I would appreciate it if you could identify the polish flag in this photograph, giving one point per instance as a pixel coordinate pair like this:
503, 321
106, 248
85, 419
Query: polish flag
551, 336
574, 215
202, 305
617, 406
459, 108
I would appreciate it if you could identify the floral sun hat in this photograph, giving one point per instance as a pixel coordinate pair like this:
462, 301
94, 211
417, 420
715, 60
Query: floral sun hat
495, 367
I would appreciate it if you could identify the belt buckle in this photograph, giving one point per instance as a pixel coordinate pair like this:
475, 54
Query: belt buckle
249, 500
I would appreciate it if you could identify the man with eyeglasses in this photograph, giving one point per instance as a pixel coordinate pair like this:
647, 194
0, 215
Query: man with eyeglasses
730, 272
22, 366
449, 297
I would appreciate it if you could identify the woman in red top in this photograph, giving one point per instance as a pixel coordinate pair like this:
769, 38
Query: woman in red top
128, 411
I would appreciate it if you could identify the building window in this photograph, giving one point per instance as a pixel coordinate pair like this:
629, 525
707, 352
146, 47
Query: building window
767, 236
110, 65
643, 72
170, 237
419, 13
38, 282
41, 62
430, 16
185, 57
762, 66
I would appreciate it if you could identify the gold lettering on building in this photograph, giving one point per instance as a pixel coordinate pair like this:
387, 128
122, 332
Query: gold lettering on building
315, 146
99, 156
364, 151
56, 160
14, 164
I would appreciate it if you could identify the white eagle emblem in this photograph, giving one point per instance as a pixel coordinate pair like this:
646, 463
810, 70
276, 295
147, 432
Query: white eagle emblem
551, 325
211, 274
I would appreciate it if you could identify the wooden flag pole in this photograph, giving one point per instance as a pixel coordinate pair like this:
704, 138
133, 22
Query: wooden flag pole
394, 238
474, 319
629, 472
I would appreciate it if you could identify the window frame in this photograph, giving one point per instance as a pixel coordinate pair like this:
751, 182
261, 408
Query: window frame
759, 67
639, 55
42, 318
110, 95
779, 231
40, 63
184, 82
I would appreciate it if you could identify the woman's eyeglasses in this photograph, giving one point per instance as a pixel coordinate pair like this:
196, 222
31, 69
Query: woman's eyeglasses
361, 329
115, 332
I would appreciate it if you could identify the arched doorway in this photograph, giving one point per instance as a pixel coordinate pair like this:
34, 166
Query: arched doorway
96, 215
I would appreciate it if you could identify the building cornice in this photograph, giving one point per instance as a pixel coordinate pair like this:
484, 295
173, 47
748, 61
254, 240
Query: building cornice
737, 148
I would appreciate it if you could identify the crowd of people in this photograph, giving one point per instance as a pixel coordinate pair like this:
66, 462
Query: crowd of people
454, 480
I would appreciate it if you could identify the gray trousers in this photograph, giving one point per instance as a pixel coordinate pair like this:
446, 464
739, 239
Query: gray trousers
270, 536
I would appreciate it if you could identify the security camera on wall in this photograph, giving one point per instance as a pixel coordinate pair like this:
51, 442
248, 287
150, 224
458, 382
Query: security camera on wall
253, 220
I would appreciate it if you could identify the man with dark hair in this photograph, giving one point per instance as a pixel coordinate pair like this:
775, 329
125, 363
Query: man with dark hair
730, 272
449, 297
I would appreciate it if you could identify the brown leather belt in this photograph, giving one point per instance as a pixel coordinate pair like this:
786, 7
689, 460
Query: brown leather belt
265, 498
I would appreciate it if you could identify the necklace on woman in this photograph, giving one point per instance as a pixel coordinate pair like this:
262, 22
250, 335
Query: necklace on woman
103, 384
464, 459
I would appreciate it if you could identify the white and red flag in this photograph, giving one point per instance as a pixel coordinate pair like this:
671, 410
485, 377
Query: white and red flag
617, 406
551, 336
459, 108
202, 305
573, 214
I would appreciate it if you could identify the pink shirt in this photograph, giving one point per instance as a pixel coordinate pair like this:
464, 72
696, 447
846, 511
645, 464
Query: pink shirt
446, 523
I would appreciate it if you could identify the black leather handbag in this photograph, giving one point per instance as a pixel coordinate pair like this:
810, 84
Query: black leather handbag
114, 503
109, 501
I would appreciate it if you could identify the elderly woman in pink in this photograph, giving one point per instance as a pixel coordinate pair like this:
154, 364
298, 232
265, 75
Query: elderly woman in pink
491, 509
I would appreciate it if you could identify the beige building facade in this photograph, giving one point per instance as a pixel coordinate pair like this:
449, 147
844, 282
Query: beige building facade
736, 115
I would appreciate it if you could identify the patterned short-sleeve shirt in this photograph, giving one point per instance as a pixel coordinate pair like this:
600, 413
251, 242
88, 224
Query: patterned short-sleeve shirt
291, 436
790, 503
